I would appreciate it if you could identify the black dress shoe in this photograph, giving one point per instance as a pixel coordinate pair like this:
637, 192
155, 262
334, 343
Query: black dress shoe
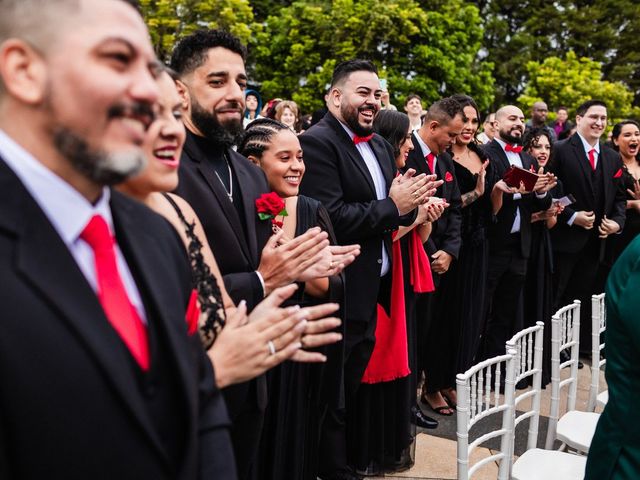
421, 420
522, 384
564, 357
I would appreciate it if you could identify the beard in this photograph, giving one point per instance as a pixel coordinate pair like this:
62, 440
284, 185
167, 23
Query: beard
226, 134
98, 166
350, 116
509, 138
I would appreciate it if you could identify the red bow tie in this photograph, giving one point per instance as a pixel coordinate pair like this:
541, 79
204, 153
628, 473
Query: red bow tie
357, 139
513, 148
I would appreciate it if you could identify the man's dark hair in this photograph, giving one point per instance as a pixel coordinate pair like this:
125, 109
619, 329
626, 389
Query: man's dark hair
562, 107
444, 110
582, 109
344, 69
191, 52
411, 97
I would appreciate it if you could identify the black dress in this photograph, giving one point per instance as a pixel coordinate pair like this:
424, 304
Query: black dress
300, 393
632, 224
383, 440
464, 286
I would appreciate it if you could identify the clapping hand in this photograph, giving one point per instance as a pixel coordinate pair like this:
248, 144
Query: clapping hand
408, 191
545, 182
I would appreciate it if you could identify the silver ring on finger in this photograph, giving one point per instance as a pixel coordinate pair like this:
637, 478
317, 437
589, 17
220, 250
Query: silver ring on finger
272, 348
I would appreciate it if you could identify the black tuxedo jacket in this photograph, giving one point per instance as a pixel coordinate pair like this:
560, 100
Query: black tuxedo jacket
571, 166
446, 231
71, 405
499, 233
337, 175
236, 242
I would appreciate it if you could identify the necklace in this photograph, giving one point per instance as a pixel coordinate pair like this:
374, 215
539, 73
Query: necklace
230, 191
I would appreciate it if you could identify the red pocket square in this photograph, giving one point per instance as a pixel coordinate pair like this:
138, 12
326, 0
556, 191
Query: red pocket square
193, 313
618, 173
448, 177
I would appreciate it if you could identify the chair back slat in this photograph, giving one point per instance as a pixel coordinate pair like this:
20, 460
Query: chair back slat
475, 402
598, 326
565, 335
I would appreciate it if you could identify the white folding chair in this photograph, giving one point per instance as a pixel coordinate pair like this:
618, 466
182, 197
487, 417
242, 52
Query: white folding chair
476, 402
574, 429
598, 326
535, 463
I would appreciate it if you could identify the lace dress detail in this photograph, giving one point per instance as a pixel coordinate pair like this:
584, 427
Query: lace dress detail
212, 317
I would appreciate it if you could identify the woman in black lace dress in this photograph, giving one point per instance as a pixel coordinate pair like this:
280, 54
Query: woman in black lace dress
299, 395
467, 278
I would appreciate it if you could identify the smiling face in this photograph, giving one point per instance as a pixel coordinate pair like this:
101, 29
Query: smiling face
405, 147
592, 124
356, 101
541, 150
90, 92
162, 145
470, 126
413, 107
628, 141
214, 97
510, 124
283, 164
288, 118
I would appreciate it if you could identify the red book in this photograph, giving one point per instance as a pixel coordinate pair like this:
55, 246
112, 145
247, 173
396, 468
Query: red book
515, 175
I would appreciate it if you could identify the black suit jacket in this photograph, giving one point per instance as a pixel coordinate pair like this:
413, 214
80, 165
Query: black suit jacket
237, 252
446, 231
337, 175
571, 166
70, 402
499, 233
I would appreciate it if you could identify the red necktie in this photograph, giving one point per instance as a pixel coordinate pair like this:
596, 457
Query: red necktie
513, 148
430, 159
592, 158
357, 139
111, 292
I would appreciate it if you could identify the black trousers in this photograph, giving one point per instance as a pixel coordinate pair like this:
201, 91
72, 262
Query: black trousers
575, 279
506, 276
359, 342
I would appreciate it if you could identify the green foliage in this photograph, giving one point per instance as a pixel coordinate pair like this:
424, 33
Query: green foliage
432, 53
169, 20
571, 81
520, 31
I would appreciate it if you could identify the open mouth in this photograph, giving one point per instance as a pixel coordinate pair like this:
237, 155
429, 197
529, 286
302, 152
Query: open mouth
168, 156
633, 148
367, 113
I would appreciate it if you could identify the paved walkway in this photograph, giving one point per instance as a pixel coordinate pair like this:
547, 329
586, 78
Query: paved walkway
436, 449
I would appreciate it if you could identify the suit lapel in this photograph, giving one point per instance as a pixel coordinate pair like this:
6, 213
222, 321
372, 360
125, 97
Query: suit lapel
419, 156
249, 203
44, 261
224, 204
500, 154
580, 157
388, 170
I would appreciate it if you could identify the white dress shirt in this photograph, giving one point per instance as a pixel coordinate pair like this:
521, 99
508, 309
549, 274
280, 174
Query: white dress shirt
69, 213
426, 151
514, 159
379, 183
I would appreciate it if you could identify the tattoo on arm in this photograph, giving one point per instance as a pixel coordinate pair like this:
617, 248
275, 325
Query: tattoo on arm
469, 197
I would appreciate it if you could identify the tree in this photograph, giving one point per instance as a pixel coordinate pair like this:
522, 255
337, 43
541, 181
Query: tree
520, 31
169, 20
432, 53
573, 80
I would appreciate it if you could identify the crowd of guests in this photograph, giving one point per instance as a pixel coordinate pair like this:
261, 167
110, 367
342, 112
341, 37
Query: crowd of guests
304, 290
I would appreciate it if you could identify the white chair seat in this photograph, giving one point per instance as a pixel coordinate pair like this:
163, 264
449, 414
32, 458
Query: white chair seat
602, 398
541, 464
576, 429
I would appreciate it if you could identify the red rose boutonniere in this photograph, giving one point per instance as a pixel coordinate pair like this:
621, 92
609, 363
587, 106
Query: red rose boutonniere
448, 177
269, 206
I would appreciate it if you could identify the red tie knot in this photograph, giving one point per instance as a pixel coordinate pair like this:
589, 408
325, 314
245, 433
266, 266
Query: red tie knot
97, 233
513, 148
357, 139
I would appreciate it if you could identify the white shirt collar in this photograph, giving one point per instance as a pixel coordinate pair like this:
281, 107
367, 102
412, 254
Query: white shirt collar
67, 210
502, 143
423, 146
347, 129
587, 147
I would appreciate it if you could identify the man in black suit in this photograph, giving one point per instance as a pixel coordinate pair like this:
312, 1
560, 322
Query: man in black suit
351, 171
442, 123
510, 234
591, 172
222, 187
100, 378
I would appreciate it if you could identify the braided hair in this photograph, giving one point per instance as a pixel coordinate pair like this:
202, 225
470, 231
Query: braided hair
257, 136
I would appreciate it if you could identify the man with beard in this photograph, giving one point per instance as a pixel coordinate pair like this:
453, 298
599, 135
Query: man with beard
351, 171
442, 124
539, 113
591, 172
222, 187
510, 234
100, 378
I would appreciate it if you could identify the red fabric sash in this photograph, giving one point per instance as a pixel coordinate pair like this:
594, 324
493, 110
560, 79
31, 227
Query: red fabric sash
421, 278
